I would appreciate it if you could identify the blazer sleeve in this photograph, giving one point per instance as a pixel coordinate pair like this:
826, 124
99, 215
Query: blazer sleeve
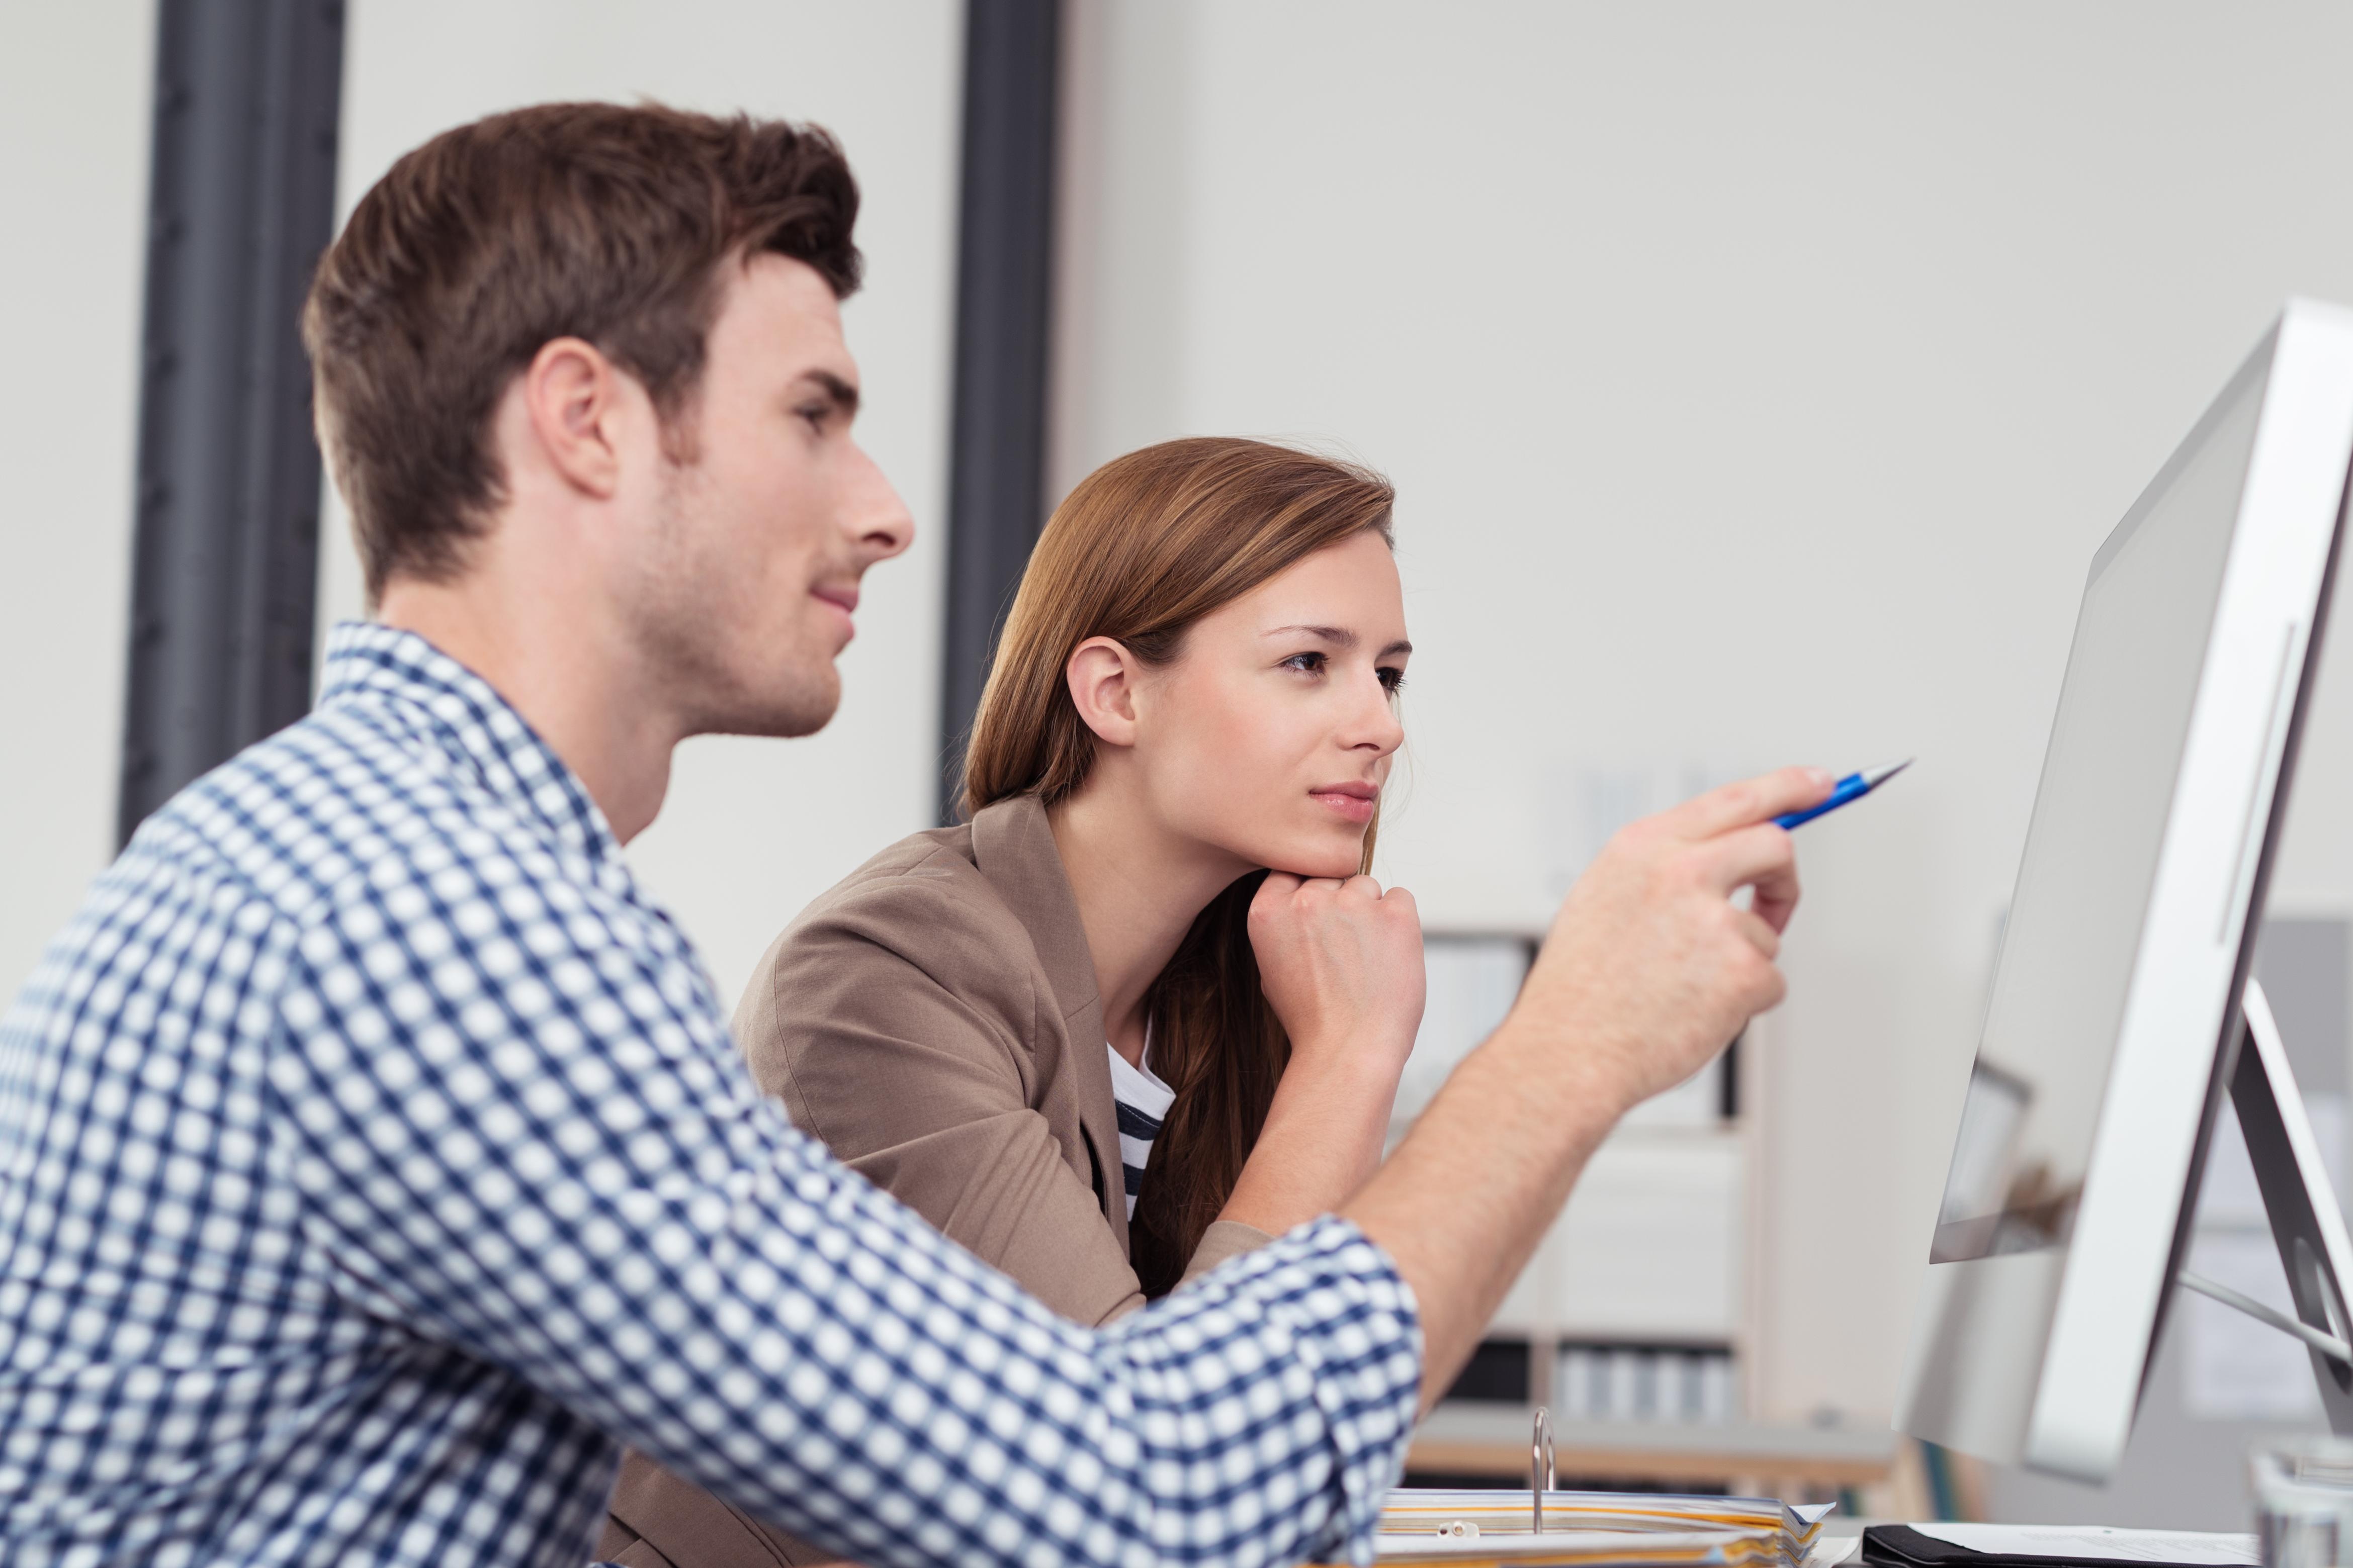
1225, 1239
894, 1023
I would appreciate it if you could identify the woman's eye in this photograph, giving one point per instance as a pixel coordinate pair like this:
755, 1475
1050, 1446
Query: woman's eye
1393, 681
1307, 663
814, 415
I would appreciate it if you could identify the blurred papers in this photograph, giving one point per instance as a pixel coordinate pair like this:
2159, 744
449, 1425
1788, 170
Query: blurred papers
1595, 1528
1594, 1547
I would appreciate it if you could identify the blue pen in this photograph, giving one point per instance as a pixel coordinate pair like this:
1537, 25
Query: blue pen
1854, 786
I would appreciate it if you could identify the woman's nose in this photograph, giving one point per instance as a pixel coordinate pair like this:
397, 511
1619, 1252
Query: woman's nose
1377, 727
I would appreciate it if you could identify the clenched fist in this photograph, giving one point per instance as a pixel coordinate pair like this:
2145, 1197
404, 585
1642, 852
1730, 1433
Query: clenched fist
1649, 962
1340, 962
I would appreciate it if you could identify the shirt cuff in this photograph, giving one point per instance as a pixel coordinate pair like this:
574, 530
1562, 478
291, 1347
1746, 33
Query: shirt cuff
1358, 1329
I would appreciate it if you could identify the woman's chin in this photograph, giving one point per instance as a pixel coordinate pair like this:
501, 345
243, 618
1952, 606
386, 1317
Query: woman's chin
1319, 860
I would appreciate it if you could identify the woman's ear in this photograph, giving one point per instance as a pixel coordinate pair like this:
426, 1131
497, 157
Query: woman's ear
1102, 676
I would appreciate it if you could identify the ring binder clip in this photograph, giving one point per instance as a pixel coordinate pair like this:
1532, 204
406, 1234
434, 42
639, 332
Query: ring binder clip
1540, 1471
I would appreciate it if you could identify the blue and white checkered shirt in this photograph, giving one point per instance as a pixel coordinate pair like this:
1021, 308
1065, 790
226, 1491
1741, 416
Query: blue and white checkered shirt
375, 1161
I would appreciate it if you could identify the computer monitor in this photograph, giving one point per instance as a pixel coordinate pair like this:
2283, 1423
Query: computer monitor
2114, 1025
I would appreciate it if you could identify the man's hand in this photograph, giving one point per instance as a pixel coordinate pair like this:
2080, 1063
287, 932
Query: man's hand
1649, 969
1649, 962
1340, 962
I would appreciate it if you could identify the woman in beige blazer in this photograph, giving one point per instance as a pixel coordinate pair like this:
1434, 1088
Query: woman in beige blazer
1174, 777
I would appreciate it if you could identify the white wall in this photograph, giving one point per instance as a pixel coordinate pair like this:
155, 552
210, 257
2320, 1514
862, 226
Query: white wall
753, 829
1757, 382
74, 92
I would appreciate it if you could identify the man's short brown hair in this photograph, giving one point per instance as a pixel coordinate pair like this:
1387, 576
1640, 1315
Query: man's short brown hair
589, 220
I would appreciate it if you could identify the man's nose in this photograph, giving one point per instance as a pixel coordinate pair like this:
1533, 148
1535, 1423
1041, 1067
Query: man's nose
877, 518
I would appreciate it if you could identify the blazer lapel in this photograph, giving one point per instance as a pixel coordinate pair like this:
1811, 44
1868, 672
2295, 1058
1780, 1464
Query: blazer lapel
1014, 848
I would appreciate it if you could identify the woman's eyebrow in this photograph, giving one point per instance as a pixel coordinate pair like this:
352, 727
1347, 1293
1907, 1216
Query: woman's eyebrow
1341, 637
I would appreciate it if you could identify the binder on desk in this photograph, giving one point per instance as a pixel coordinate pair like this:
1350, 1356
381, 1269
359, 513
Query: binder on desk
1563, 1549
1669, 1524
1635, 1528
1544, 1525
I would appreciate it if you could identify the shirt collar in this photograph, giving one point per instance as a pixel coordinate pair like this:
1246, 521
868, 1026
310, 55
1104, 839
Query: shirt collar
477, 727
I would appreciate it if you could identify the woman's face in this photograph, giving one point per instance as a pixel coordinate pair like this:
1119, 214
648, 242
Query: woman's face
1269, 735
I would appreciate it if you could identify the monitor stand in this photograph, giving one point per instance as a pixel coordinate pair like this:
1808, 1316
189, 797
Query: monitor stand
2302, 1207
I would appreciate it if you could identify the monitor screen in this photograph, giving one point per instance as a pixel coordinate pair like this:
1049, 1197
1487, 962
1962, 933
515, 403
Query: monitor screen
2083, 887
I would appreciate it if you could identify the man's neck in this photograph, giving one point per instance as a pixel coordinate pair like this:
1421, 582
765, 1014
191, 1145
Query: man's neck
1139, 888
569, 674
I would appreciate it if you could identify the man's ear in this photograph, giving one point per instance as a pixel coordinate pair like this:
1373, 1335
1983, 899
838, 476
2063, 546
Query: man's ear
575, 399
1102, 677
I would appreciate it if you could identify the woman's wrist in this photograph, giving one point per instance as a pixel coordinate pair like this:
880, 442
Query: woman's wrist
1334, 1099
1322, 1138
1359, 1054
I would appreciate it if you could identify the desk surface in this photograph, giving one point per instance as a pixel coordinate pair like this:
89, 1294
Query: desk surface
1494, 1439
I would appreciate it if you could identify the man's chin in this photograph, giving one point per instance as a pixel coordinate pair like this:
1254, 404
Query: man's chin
807, 711
803, 709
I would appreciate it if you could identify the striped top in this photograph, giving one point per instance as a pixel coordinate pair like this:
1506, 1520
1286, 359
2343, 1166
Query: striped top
1142, 1100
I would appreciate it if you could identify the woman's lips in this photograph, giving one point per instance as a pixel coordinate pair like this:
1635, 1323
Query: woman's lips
1350, 802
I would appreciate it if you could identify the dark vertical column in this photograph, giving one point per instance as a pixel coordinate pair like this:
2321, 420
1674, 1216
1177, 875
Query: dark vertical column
1004, 307
225, 559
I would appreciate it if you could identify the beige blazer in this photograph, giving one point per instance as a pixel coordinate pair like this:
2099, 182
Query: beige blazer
934, 1020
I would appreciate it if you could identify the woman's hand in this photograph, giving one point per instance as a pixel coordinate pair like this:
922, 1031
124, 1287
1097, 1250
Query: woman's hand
1341, 964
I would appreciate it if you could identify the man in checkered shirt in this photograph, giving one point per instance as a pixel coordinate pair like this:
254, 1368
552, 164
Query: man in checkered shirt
374, 1158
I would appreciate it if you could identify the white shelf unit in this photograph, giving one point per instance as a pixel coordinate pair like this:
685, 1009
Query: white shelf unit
1642, 1289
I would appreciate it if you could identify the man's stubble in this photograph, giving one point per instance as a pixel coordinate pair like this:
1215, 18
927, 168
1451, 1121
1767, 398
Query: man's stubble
727, 663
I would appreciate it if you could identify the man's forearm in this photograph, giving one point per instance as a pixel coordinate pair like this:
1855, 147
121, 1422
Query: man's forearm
1648, 968
1463, 1203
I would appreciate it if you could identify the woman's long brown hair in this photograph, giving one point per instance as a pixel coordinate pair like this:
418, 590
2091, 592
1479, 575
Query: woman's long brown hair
1146, 546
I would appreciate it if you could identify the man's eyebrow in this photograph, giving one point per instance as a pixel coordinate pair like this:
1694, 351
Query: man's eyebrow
1341, 637
843, 393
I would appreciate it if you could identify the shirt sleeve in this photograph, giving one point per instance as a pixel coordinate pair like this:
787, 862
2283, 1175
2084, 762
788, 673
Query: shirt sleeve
530, 1139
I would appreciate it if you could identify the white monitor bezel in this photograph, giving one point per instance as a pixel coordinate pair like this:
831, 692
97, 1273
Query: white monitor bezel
2039, 1357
